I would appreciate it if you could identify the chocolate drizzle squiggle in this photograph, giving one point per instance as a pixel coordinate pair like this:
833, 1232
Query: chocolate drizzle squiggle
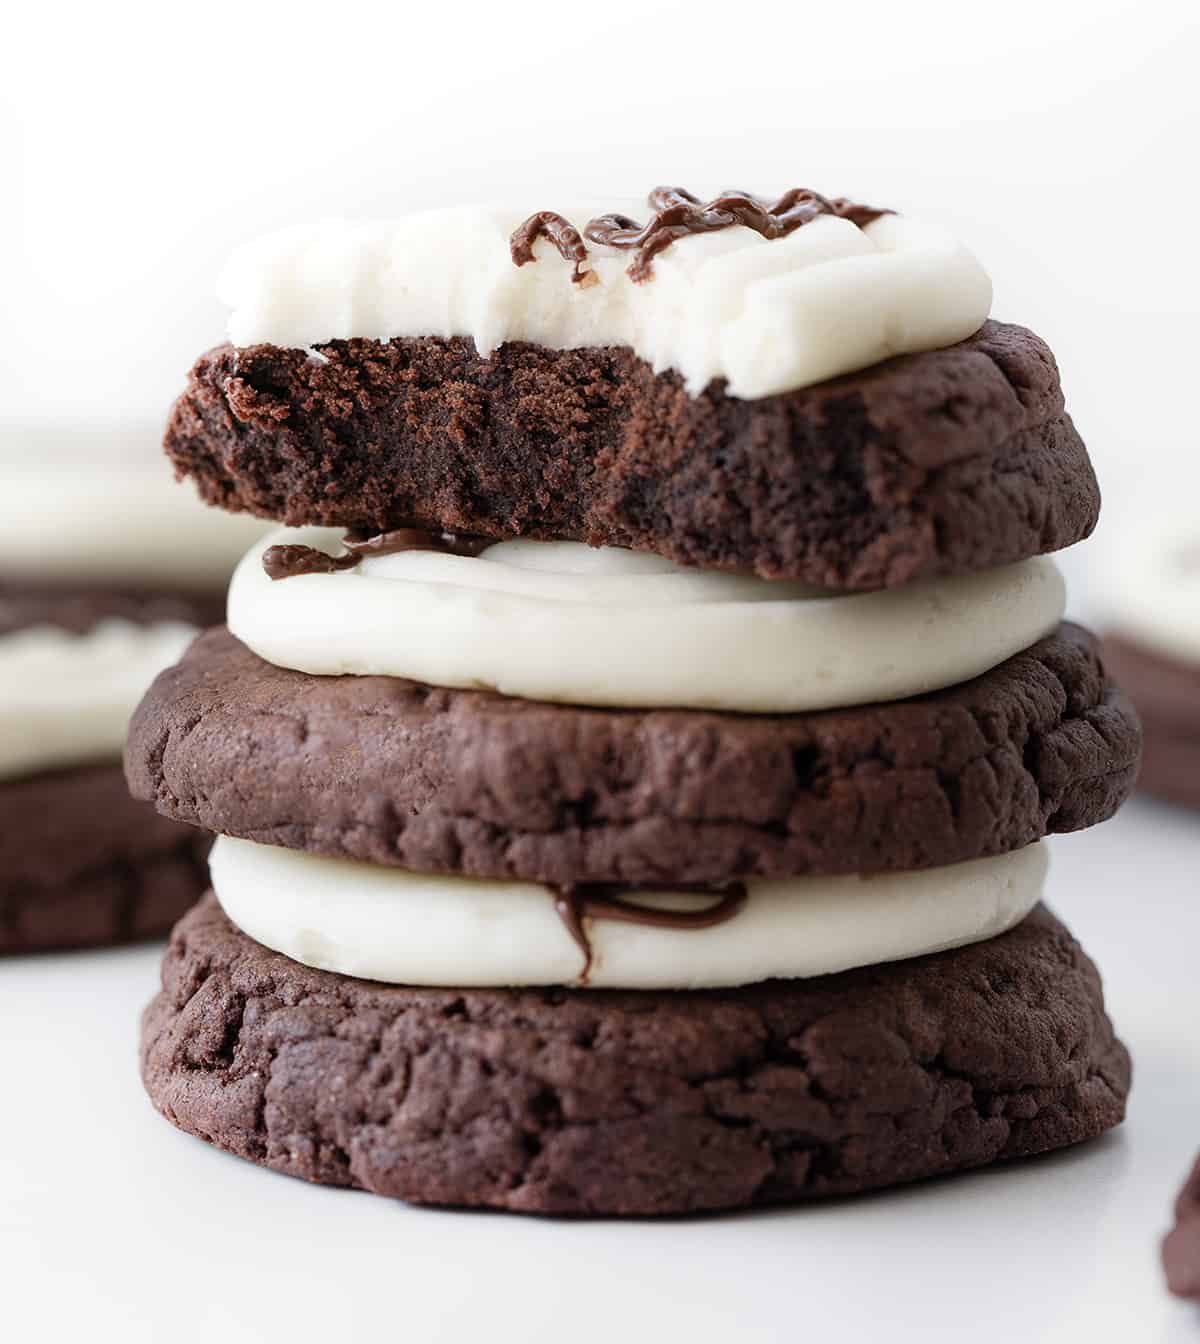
574, 903
678, 213
562, 233
285, 562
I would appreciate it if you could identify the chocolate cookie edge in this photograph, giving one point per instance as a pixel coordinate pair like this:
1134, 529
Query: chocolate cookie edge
470, 782
939, 463
121, 875
594, 1102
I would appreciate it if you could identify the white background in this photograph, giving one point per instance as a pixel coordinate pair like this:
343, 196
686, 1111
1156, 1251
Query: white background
138, 143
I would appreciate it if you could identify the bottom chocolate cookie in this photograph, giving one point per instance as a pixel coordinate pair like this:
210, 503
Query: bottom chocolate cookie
622, 1102
1167, 695
83, 865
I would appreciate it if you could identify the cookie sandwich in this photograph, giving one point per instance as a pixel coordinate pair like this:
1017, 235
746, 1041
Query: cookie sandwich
630, 761
109, 571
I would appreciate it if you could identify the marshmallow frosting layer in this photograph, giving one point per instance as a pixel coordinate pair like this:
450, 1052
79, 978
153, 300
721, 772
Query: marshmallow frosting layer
574, 624
767, 316
419, 929
66, 699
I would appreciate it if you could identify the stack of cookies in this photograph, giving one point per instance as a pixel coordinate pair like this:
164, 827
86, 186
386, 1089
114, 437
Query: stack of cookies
631, 760
107, 573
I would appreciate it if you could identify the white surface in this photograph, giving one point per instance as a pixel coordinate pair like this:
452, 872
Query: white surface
67, 698
767, 316
115, 1226
560, 621
419, 929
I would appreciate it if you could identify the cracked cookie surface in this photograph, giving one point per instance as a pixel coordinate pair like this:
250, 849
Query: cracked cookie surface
608, 1102
396, 772
945, 462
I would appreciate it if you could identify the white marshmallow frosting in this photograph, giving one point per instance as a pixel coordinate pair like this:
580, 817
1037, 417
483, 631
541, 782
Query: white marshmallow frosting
417, 929
768, 316
566, 622
65, 699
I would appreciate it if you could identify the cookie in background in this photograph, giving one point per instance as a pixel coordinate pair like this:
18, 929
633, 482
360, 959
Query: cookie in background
107, 571
1151, 601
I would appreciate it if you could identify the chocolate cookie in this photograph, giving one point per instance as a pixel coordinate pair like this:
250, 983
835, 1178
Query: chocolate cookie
586, 1102
937, 463
1181, 1246
83, 865
1167, 694
78, 606
395, 772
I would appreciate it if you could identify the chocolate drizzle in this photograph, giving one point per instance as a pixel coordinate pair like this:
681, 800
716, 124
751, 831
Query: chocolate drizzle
678, 213
562, 233
399, 539
577, 902
285, 562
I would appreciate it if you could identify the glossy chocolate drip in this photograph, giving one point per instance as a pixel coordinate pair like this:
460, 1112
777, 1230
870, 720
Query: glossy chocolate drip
678, 213
415, 539
561, 232
580, 901
284, 562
